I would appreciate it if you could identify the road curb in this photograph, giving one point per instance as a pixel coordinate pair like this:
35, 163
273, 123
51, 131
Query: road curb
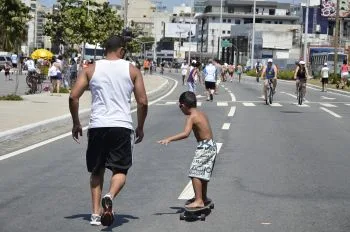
84, 114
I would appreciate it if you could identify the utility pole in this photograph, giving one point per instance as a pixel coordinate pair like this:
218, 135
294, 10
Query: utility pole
336, 38
253, 37
190, 34
306, 29
126, 6
220, 33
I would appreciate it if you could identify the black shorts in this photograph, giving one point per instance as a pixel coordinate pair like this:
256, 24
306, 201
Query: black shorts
325, 80
209, 85
109, 147
14, 65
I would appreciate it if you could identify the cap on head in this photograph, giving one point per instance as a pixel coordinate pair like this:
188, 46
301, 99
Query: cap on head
270, 61
325, 64
210, 61
301, 62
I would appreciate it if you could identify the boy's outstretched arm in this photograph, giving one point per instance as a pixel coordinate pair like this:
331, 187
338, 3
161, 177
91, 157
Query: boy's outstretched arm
182, 135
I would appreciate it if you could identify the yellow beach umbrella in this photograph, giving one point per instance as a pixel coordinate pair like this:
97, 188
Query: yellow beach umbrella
42, 53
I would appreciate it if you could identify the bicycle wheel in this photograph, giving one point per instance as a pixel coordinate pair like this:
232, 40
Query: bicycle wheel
29, 81
300, 96
271, 96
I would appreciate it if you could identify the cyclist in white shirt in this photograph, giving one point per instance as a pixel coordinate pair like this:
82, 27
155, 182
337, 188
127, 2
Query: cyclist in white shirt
324, 75
30, 66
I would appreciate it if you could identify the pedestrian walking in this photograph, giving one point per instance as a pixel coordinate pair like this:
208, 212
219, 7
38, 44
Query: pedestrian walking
324, 76
110, 135
192, 78
184, 69
7, 72
210, 79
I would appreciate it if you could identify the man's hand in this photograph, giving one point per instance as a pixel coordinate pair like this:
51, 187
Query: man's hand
164, 141
76, 131
139, 135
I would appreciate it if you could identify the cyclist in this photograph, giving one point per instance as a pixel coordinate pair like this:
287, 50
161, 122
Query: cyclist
258, 69
30, 66
300, 75
269, 73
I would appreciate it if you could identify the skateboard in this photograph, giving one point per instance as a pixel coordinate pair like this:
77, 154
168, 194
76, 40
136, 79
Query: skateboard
199, 213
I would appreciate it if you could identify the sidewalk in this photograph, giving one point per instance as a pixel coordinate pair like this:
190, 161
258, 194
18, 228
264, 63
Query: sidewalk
39, 109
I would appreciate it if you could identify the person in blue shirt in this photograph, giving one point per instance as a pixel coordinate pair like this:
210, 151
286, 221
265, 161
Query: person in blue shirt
269, 72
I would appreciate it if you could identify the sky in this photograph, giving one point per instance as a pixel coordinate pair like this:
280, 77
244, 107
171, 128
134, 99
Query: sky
168, 3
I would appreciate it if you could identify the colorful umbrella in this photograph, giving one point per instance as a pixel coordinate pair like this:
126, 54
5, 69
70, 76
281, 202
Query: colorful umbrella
42, 53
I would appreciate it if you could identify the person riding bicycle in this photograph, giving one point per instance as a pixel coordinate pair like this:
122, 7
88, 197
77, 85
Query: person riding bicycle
30, 66
269, 73
301, 75
258, 68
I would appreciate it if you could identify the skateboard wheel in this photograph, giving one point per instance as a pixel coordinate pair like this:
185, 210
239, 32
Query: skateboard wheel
182, 216
202, 217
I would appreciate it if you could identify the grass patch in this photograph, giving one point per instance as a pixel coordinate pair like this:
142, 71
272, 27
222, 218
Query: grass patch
62, 90
11, 97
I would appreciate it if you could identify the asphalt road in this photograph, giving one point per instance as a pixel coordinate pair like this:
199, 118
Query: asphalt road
280, 168
8, 87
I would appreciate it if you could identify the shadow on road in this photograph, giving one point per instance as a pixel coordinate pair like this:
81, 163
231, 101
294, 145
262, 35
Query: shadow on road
119, 219
178, 210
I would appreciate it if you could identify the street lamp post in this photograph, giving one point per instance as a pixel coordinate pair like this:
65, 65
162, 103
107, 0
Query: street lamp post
306, 27
220, 33
190, 39
253, 37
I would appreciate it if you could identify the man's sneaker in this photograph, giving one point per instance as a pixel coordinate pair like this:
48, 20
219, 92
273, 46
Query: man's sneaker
211, 97
95, 220
107, 217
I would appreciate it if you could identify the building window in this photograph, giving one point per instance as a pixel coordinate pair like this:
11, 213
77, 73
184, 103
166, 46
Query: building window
272, 11
229, 20
276, 22
228, 32
223, 32
268, 22
224, 20
213, 18
237, 21
281, 22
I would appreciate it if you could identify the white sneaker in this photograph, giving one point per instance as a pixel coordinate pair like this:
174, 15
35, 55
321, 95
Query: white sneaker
95, 220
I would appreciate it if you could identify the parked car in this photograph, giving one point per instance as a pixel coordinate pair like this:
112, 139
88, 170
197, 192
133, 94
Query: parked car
3, 60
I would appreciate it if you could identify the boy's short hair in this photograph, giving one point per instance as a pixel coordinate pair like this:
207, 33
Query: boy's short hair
189, 99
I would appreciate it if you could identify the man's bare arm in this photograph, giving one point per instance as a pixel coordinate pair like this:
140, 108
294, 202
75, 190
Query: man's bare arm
142, 101
78, 90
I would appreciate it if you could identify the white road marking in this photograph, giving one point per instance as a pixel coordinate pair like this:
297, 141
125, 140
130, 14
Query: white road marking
188, 192
347, 104
199, 103
294, 96
327, 105
327, 98
222, 104
20, 151
199, 96
331, 112
170, 103
226, 126
303, 105
233, 98
312, 88
262, 97
232, 111
248, 104
275, 104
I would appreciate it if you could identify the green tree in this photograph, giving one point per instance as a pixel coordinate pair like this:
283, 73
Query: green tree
13, 18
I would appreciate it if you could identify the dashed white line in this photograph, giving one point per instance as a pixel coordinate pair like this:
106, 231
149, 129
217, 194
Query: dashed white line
188, 192
328, 98
347, 104
232, 111
331, 112
222, 104
248, 104
233, 98
170, 103
276, 104
303, 105
226, 126
199, 103
328, 105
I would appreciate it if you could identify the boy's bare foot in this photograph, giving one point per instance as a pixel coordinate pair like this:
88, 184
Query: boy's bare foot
195, 204
206, 201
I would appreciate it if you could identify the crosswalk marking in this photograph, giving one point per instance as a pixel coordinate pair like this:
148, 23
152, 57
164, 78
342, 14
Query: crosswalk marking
232, 111
226, 126
331, 112
248, 104
222, 104
303, 105
327, 105
276, 104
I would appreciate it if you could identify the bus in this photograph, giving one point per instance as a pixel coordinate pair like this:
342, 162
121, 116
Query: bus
319, 59
90, 52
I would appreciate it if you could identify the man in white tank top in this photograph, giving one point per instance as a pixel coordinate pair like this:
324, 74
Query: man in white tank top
110, 134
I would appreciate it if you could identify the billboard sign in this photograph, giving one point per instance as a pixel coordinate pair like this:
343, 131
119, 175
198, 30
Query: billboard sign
177, 30
328, 8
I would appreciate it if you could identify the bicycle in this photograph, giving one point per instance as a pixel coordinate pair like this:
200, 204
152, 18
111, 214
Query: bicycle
300, 94
34, 82
269, 92
258, 74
